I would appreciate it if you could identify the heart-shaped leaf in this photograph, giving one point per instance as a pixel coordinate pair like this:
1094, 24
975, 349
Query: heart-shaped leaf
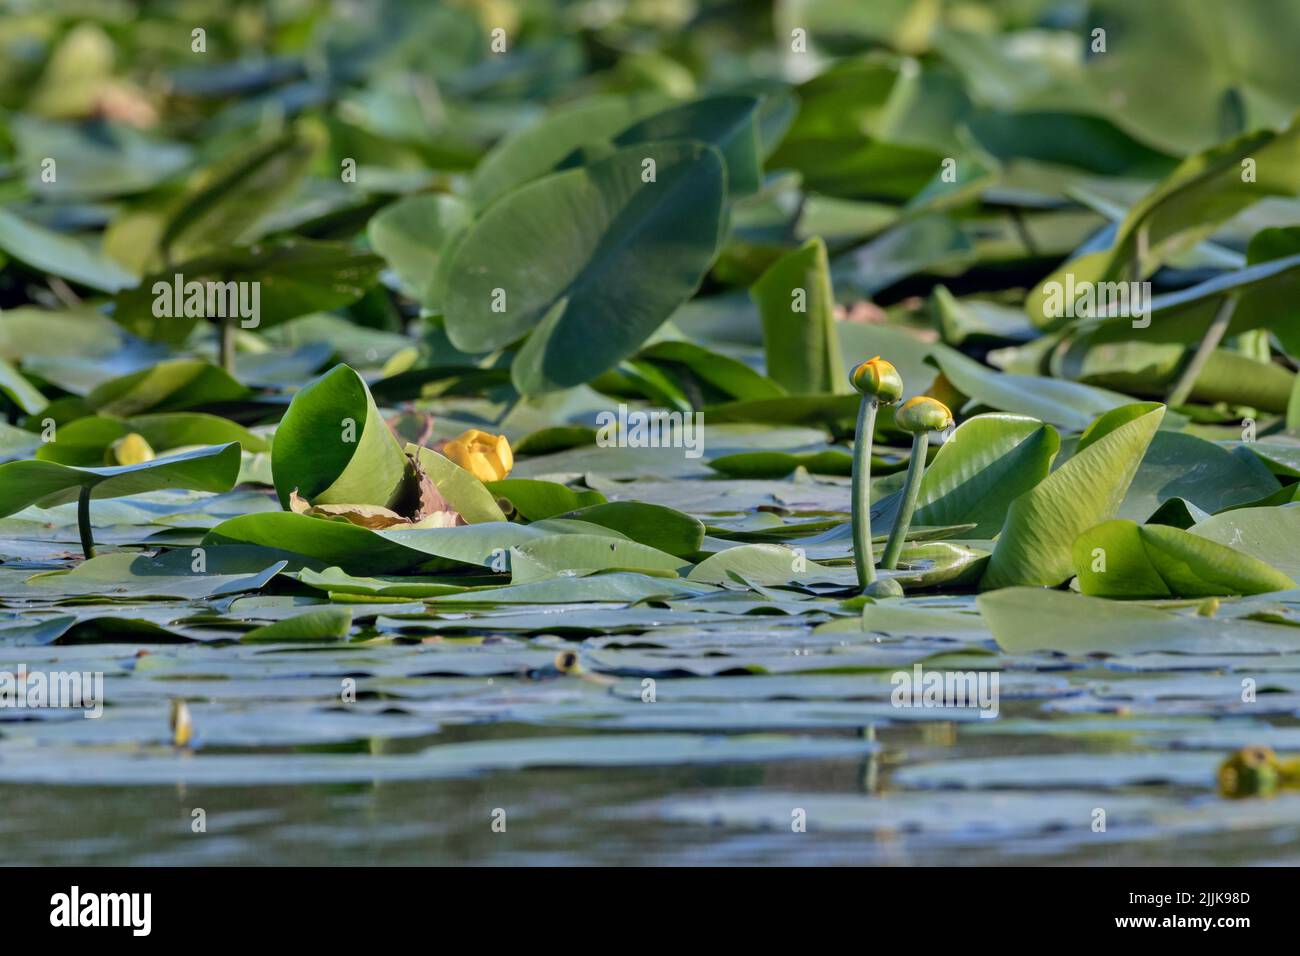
729, 123
588, 262
535, 151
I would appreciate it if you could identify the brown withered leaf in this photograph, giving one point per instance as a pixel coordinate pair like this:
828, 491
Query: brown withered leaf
374, 517
429, 500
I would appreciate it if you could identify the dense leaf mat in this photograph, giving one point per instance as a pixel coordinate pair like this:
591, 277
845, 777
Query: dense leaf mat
433, 421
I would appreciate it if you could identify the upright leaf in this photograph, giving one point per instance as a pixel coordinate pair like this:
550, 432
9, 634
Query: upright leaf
796, 303
334, 447
989, 461
587, 262
1034, 546
728, 122
412, 234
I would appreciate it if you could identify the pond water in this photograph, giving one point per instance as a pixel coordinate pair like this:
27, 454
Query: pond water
466, 751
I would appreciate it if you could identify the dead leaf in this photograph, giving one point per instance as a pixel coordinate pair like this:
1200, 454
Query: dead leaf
377, 517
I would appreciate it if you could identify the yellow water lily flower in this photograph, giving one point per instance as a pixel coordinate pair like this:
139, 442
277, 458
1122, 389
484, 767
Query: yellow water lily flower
130, 449
487, 457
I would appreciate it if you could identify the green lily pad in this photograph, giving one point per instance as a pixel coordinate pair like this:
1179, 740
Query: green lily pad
47, 483
1120, 559
327, 624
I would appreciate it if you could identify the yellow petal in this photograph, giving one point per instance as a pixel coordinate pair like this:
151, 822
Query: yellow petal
457, 452
480, 466
505, 458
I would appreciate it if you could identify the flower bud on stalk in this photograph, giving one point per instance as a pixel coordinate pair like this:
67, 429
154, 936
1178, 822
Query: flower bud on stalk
878, 382
918, 416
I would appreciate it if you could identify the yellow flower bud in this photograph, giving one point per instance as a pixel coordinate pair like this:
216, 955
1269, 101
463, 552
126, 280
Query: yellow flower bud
878, 378
1250, 772
130, 449
923, 414
487, 457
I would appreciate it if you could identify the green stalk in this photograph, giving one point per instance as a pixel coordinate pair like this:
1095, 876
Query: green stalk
1138, 261
226, 345
83, 523
1182, 390
861, 491
911, 490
